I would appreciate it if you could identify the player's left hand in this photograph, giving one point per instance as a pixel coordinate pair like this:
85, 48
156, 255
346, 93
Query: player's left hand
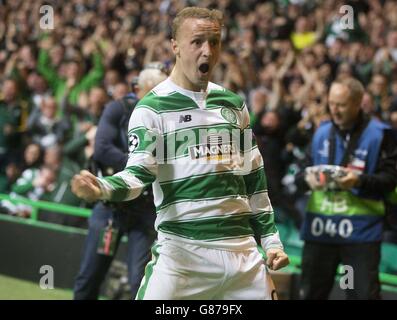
276, 258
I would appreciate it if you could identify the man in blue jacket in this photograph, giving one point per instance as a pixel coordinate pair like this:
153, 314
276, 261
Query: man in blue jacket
344, 222
110, 221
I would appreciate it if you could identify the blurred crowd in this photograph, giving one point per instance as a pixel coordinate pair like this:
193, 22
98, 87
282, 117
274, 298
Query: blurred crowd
280, 55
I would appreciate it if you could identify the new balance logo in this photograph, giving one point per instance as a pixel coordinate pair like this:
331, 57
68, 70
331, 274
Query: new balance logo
186, 118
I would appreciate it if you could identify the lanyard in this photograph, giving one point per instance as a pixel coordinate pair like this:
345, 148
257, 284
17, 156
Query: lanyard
351, 145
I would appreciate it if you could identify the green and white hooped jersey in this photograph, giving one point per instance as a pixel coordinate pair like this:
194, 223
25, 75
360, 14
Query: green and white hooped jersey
208, 181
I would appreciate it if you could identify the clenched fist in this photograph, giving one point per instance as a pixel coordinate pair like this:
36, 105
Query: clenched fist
276, 258
85, 186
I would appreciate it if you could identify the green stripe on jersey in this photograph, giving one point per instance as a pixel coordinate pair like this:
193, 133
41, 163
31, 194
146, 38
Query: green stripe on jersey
203, 187
141, 173
174, 102
120, 188
214, 228
224, 98
256, 181
263, 224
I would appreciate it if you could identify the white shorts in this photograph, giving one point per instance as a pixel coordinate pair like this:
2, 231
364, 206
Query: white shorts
184, 271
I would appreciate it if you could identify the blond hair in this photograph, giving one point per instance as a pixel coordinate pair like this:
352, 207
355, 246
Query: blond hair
198, 13
356, 89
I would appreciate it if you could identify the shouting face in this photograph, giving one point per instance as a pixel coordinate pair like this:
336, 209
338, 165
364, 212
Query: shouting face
197, 47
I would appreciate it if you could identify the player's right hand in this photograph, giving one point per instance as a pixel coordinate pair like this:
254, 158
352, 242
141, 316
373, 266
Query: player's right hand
85, 186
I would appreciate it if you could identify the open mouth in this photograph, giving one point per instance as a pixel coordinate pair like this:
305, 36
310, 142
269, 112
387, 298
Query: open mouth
204, 68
